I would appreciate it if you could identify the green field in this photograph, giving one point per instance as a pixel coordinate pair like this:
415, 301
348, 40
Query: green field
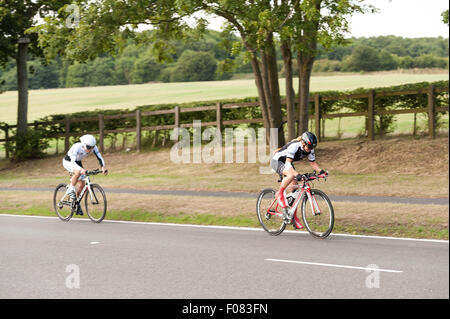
54, 101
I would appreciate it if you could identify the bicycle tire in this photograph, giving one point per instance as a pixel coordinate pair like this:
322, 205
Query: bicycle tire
61, 189
267, 196
100, 214
312, 221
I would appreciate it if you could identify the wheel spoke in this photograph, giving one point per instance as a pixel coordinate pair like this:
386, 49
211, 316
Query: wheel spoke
318, 214
95, 203
62, 203
268, 215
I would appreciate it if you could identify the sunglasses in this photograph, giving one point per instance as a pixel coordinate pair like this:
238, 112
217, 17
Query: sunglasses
89, 147
310, 146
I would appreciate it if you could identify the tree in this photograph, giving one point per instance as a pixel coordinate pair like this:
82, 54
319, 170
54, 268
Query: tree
299, 25
145, 69
364, 58
444, 16
78, 75
43, 76
123, 69
17, 16
386, 61
194, 66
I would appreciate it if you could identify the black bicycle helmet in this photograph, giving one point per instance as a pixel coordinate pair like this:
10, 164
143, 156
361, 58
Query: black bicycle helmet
310, 139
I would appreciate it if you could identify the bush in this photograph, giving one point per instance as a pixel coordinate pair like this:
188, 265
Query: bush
383, 124
325, 65
429, 61
28, 146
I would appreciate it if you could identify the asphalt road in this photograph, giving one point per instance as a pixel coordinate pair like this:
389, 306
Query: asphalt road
43, 257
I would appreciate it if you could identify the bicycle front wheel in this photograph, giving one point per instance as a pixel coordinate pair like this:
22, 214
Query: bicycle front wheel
318, 213
62, 203
270, 214
95, 203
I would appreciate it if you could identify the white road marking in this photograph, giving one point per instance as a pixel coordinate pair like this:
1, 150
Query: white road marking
332, 265
234, 228
94, 242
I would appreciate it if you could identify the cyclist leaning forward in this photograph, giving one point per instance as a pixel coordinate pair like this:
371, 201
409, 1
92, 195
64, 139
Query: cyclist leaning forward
282, 161
72, 163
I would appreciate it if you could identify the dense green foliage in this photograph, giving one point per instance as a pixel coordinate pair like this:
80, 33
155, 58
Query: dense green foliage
384, 124
32, 144
136, 64
384, 53
38, 138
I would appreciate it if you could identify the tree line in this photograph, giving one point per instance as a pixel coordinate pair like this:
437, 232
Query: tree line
85, 30
201, 60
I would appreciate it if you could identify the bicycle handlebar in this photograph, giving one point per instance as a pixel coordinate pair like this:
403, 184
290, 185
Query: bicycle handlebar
93, 172
310, 176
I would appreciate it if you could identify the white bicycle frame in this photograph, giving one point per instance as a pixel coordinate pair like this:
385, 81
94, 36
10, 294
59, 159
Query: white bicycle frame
87, 186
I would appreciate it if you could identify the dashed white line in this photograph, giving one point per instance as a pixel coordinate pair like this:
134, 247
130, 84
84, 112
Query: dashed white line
333, 265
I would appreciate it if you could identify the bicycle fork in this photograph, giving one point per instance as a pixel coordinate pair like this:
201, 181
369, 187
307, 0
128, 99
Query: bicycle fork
312, 201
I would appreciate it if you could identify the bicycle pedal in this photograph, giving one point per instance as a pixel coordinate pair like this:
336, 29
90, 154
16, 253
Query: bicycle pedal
287, 220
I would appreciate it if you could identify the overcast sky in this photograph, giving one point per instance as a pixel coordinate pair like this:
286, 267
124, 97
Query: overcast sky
405, 18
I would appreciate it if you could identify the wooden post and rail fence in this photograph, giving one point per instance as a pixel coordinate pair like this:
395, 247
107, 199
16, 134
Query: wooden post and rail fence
431, 109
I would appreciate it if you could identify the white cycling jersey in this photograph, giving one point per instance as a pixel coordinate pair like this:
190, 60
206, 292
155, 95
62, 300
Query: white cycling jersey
76, 153
294, 150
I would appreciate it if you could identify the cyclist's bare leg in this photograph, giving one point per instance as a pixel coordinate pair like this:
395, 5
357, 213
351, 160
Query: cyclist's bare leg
80, 187
75, 176
288, 180
74, 180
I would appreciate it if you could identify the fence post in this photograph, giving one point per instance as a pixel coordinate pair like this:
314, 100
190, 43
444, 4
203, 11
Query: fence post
7, 141
67, 135
138, 130
219, 120
431, 112
177, 123
101, 132
177, 116
371, 116
317, 114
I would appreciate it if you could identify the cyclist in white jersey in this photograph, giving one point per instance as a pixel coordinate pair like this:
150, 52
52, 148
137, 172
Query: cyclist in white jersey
281, 163
72, 163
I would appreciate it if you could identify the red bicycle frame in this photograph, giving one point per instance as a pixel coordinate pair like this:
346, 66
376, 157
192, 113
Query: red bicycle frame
304, 188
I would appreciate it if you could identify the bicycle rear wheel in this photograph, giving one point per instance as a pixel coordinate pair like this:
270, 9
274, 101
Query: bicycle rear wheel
270, 214
318, 214
62, 203
95, 203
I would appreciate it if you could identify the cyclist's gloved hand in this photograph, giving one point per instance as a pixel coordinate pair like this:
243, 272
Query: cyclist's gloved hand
302, 176
323, 172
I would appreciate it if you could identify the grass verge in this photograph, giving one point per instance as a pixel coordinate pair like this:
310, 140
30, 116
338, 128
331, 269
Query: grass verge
383, 219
